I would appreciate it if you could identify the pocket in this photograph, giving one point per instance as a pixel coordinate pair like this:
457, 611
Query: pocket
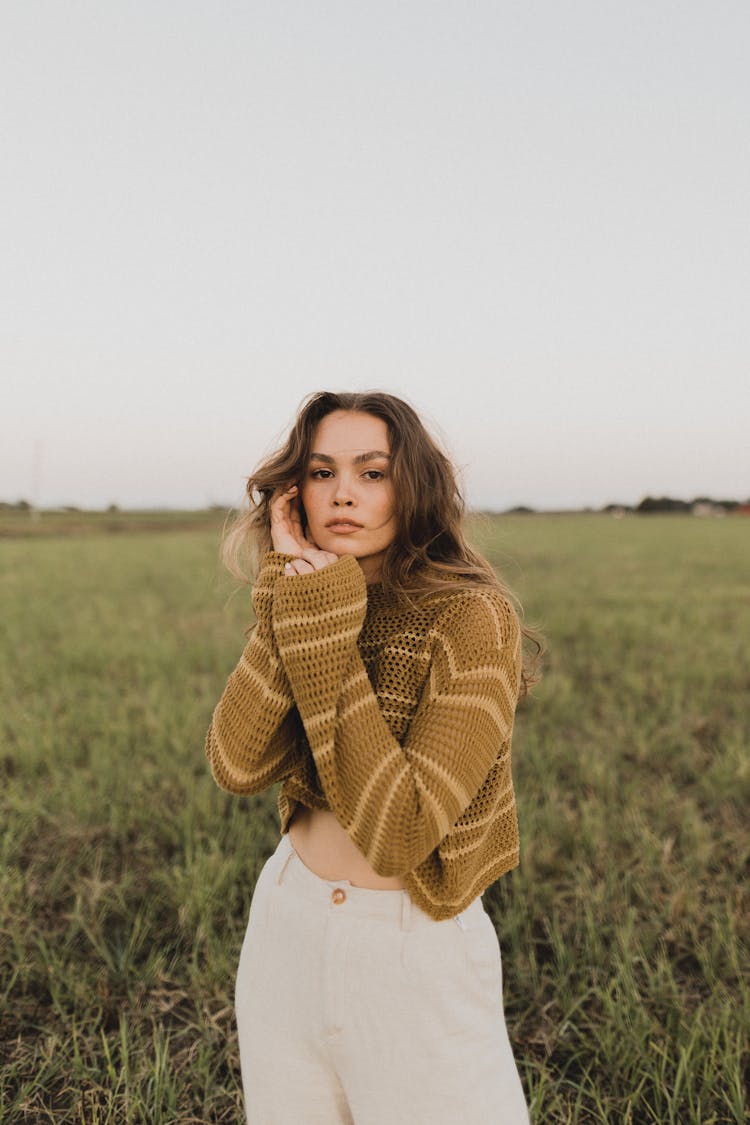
256, 932
482, 956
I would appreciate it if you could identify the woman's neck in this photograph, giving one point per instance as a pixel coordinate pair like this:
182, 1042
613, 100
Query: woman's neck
371, 568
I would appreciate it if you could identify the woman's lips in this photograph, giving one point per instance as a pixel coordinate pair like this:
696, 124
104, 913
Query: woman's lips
342, 528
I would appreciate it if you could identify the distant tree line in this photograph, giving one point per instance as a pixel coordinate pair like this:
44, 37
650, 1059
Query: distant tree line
25, 506
701, 505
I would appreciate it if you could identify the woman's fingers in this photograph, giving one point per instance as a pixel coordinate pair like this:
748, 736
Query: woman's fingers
318, 558
299, 566
280, 502
313, 560
286, 532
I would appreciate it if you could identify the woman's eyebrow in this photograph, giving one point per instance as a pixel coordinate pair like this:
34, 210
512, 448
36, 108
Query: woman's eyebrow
358, 460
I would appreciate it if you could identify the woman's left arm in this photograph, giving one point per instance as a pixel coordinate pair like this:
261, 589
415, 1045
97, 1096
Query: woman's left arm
397, 802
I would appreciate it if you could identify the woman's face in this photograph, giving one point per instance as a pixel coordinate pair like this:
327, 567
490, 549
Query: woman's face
348, 478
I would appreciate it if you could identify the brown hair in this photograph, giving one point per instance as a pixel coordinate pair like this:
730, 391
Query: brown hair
429, 554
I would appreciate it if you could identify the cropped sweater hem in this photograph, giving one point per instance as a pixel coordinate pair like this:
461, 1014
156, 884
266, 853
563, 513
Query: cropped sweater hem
418, 890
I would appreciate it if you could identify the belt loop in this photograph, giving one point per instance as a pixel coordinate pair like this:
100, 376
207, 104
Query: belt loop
290, 854
405, 910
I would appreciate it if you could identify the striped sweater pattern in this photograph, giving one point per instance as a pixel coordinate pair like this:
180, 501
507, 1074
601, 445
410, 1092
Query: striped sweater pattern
397, 719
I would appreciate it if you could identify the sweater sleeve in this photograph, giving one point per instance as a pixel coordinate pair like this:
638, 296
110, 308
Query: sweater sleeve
397, 802
249, 744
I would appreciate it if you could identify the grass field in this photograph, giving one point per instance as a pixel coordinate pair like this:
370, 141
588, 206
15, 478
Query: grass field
127, 875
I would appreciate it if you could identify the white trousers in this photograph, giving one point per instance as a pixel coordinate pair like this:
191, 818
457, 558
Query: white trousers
355, 1006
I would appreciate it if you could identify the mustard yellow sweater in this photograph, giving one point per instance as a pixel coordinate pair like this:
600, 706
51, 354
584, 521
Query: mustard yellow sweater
397, 719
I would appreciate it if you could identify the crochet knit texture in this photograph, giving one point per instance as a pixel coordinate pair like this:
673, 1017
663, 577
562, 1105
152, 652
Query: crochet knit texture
397, 719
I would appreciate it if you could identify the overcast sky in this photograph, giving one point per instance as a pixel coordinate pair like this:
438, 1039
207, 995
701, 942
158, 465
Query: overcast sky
530, 219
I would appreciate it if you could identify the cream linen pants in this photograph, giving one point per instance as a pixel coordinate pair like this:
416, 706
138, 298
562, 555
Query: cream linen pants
355, 1006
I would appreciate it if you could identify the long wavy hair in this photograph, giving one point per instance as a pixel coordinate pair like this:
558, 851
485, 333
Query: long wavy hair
429, 554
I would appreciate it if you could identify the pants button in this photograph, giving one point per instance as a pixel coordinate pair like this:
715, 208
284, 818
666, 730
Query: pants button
338, 895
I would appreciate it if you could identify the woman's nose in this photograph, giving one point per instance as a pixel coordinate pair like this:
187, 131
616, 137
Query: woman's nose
343, 493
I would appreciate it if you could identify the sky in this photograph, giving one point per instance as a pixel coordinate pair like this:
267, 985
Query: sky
531, 220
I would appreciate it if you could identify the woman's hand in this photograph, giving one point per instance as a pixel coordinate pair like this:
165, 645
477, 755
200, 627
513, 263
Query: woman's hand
288, 537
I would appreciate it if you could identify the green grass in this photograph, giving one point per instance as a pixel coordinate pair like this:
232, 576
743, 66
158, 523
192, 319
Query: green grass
126, 875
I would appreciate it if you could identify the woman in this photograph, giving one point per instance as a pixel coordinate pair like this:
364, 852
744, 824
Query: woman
379, 687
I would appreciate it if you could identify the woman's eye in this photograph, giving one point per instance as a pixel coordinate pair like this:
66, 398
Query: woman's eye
378, 474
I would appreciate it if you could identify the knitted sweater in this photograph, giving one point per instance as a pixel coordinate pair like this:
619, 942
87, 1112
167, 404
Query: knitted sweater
397, 719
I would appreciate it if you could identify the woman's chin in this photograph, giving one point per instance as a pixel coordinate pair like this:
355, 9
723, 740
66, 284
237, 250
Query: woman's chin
339, 546
342, 544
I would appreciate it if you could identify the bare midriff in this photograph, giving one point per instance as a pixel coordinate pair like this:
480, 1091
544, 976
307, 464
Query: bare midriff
324, 846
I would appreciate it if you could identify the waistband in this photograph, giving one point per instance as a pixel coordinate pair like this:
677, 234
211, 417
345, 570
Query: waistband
396, 905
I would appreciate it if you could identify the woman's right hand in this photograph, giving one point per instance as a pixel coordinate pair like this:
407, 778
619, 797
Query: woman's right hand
287, 535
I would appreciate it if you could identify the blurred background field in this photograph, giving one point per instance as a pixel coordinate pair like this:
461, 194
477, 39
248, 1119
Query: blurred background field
126, 874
